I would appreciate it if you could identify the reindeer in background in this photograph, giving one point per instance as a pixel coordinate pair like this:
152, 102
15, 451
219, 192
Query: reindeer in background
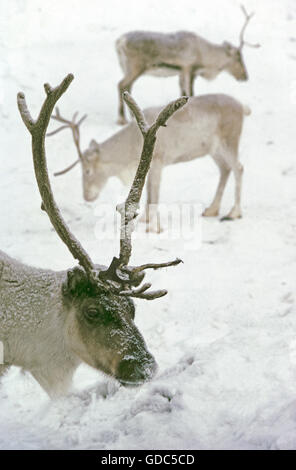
182, 53
50, 321
207, 125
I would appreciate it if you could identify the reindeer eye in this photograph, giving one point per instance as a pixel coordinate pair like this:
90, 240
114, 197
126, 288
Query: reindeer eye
98, 314
88, 172
92, 313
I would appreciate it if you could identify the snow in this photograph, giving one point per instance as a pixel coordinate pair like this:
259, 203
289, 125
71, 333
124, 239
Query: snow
224, 336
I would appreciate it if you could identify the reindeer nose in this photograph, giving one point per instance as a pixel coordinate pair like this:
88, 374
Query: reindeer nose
245, 76
133, 372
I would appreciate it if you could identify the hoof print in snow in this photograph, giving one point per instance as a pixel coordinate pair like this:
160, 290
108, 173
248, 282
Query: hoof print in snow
159, 400
180, 367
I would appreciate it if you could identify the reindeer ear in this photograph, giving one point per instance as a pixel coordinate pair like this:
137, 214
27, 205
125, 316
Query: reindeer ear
229, 48
94, 146
76, 283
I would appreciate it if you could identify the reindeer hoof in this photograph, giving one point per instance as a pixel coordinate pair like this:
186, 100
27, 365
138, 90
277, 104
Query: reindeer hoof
144, 219
230, 217
150, 229
210, 212
121, 121
153, 227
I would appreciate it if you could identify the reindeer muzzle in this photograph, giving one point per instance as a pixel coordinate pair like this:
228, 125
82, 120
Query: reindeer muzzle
132, 373
244, 77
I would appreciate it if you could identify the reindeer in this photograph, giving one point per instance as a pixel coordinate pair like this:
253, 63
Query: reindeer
208, 124
182, 53
50, 322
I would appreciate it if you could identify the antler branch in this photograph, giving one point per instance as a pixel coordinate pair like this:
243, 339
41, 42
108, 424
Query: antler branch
119, 271
38, 130
129, 210
74, 126
241, 36
68, 168
119, 278
137, 112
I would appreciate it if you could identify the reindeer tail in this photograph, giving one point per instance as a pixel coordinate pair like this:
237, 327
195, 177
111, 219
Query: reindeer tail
247, 110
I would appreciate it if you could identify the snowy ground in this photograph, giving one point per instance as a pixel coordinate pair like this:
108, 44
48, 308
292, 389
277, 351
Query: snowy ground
224, 337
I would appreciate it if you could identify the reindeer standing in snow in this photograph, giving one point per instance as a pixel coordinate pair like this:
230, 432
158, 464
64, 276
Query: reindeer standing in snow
207, 125
182, 53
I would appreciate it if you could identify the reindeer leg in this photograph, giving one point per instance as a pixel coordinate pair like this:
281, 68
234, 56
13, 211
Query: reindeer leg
125, 85
185, 80
213, 209
191, 83
3, 369
237, 169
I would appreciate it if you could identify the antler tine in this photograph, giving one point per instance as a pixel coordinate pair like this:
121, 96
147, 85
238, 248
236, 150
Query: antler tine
156, 294
140, 290
81, 120
119, 271
62, 172
74, 126
58, 117
157, 266
56, 131
38, 129
141, 293
128, 210
248, 16
74, 117
123, 277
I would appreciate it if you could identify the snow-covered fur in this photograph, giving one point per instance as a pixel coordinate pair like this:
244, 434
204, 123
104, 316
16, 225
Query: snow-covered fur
50, 322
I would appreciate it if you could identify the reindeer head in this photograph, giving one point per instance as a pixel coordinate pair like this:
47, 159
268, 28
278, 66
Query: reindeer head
235, 63
99, 324
95, 173
100, 329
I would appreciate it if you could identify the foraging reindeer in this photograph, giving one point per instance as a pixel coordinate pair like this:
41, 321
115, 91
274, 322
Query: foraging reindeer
50, 321
207, 125
182, 53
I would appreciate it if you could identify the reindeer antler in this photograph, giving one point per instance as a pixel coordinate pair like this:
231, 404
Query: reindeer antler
119, 271
38, 129
119, 278
241, 36
74, 126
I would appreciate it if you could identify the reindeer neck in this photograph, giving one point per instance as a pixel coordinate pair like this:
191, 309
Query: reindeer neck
122, 148
21, 282
214, 55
